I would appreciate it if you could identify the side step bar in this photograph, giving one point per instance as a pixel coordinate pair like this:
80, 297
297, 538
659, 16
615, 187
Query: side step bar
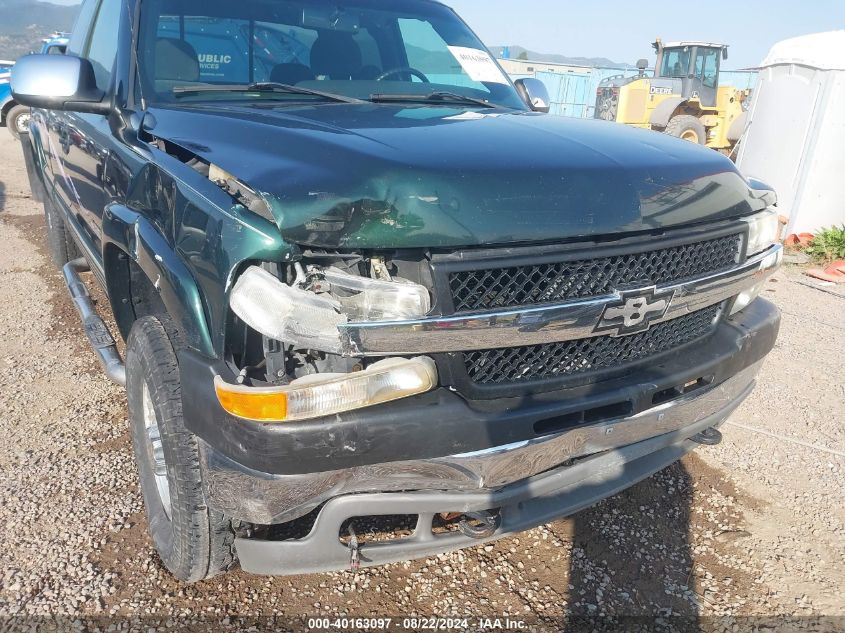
95, 329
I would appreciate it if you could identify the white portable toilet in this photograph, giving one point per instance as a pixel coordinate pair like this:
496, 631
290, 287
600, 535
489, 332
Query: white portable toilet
795, 140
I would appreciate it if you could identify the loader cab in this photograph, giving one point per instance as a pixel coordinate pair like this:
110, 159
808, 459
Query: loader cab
693, 67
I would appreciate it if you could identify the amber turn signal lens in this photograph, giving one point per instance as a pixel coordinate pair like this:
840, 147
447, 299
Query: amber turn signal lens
328, 394
252, 404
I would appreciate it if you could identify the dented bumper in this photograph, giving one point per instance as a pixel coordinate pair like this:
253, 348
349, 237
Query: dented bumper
270, 499
521, 506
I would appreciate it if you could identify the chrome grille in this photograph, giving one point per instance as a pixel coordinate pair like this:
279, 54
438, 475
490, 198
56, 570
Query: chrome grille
533, 284
569, 358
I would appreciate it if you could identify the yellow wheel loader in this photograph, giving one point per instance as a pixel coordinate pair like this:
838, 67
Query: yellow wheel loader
683, 98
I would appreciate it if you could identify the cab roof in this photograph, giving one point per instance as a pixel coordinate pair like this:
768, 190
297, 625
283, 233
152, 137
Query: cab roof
693, 43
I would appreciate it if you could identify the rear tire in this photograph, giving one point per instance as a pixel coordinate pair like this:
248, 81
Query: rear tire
688, 128
17, 120
193, 541
59, 242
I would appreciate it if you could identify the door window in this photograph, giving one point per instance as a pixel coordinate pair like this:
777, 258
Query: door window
707, 66
675, 63
102, 47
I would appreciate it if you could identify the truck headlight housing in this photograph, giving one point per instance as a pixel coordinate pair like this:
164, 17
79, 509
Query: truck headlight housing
763, 233
284, 313
364, 299
321, 395
309, 319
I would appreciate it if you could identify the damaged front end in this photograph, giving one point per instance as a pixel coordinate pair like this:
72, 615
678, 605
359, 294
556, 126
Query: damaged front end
308, 369
375, 367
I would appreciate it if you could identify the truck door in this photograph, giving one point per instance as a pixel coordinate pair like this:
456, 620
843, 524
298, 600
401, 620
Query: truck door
80, 142
706, 75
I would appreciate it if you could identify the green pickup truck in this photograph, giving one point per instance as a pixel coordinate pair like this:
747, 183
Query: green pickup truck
361, 273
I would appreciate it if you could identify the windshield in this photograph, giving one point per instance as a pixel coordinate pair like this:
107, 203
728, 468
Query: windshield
675, 62
410, 50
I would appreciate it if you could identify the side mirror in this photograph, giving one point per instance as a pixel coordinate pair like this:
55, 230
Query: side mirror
725, 53
57, 82
535, 94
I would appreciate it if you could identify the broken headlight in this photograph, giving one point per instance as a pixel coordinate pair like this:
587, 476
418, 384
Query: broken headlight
364, 299
285, 313
307, 315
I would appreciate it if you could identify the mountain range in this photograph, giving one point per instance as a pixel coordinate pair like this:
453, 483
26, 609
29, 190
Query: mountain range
23, 23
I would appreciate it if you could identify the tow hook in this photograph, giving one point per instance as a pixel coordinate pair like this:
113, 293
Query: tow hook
708, 437
480, 525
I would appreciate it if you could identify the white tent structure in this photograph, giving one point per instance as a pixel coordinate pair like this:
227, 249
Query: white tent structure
795, 140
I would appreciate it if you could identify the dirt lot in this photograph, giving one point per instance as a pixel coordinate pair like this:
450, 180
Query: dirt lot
755, 526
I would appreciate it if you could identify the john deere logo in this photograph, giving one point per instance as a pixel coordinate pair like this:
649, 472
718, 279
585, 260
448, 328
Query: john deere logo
634, 312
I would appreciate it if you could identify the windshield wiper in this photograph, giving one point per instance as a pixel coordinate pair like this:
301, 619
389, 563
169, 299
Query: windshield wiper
439, 96
263, 86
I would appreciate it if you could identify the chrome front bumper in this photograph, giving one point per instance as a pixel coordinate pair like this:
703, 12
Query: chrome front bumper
271, 499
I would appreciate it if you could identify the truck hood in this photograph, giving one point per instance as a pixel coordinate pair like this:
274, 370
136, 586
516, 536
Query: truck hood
388, 176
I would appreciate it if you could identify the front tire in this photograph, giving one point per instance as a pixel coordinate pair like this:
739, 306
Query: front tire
17, 120
688, 128
193, 541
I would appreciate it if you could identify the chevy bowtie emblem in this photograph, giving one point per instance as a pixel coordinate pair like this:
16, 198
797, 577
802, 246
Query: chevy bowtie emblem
634, 312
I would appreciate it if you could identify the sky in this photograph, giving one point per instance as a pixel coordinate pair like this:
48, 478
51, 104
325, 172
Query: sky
622, 30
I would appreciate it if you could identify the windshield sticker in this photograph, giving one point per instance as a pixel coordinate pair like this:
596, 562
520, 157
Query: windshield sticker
478, 65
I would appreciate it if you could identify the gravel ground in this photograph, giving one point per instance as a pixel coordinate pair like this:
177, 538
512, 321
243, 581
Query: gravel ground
755, 526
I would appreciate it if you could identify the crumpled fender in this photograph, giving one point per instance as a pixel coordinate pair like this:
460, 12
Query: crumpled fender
191, 240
